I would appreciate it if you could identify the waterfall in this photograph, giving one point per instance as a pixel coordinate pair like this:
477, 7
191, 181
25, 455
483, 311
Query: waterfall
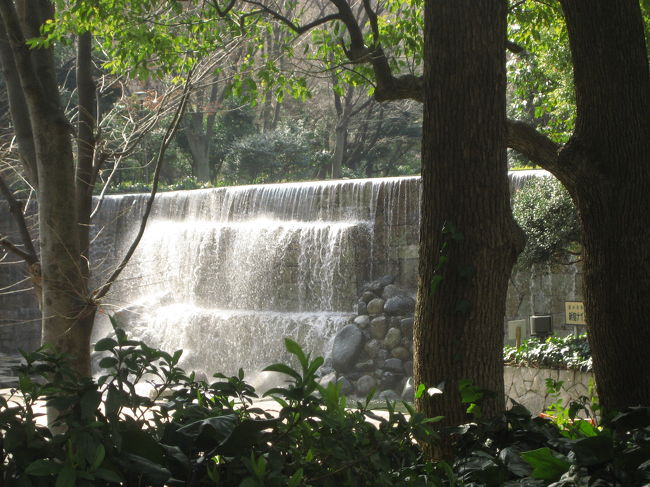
227, 273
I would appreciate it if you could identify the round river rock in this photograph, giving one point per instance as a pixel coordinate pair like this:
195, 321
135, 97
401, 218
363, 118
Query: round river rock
347, 345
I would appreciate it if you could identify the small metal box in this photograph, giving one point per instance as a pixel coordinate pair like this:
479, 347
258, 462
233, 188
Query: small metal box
541, 325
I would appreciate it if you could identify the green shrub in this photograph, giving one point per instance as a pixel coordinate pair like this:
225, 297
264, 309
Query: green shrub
190, 433
517, 449
571, 352
545, 212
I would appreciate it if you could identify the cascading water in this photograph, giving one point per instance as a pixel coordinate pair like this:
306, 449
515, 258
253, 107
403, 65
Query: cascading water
226, 274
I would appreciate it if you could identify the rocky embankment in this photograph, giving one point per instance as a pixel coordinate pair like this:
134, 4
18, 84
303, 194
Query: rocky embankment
375, 350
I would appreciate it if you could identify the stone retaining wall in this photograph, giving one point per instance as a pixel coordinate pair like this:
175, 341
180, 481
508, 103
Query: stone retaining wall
527, 386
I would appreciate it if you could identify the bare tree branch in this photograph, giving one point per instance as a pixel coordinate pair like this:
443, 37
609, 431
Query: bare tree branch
169, 134
17, 211
26, 256
298, 29
372, 18
18, 108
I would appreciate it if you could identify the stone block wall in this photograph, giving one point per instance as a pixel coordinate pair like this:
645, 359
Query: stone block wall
527, 386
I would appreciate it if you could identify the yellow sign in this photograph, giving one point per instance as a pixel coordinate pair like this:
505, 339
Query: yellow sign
575, 313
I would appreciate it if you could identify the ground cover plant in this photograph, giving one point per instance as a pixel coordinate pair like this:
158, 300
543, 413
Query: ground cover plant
570, 352
187, 432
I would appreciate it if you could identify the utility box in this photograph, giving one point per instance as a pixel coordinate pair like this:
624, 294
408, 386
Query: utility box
541, 326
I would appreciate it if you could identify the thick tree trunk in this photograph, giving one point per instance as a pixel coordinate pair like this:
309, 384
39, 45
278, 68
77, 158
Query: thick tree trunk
606, 168
469, 240
67, 310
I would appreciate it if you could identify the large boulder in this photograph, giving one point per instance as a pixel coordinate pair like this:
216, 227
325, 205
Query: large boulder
368, 296
392, 338
394, 365
399, 305
406, 325
372, 348
378, 327
347, 345
362, 321
401, 353
375, 307
365, 384
346, 386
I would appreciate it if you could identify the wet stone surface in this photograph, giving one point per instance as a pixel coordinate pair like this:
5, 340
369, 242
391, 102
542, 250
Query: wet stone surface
8, 364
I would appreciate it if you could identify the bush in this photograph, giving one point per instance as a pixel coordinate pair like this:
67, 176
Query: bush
287, 153
189, 432
517, 449
571, 352
545, 212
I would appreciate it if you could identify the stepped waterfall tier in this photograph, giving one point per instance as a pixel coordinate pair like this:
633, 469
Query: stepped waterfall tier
227, 273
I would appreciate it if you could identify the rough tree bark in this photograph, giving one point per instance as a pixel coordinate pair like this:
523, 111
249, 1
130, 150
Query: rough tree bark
606, 168
469, 240
65, 299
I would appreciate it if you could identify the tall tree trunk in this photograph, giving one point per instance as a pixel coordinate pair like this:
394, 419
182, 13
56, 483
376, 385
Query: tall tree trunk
469, 240
606, 168
65, 299
66, 306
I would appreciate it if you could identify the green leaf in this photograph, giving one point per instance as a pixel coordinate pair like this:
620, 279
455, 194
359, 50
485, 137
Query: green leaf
545, 465
40, 468
100, 454
283, 369
138, 442
105, 344
67, 477
593, 451
295, 349
511, 458
249, 482
296, 478
176, 357
243, 436
108, 362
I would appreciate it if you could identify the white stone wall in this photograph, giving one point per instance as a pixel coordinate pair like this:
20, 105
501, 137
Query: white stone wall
527, 386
